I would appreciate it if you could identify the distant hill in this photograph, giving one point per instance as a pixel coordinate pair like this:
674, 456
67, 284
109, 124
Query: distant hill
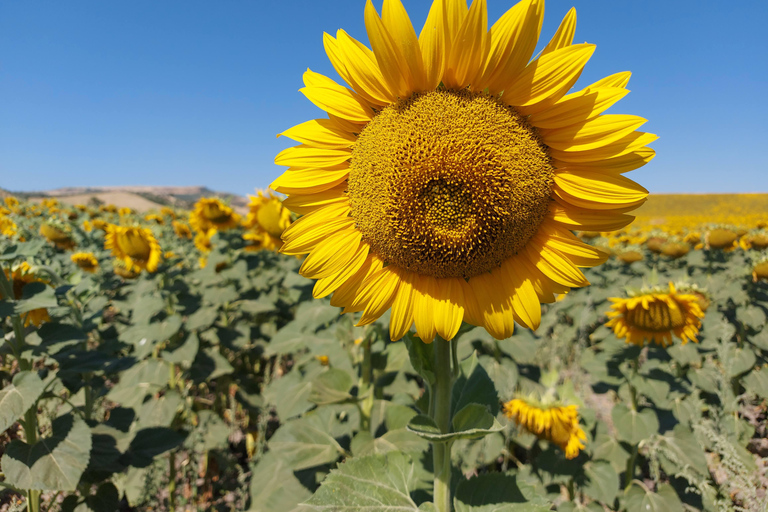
140, 198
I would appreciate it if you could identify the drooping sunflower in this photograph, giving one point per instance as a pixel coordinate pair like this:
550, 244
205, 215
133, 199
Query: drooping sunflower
212, 213
58, 233
181, 229
656, 316
554, 422
135, 246
446, 180
86, 261
267, 219
22, 274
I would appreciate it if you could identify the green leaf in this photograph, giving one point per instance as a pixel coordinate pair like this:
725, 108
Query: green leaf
756, 382
600, 481
474, 386
36, 296
607, 447
751, 316
634, 426
373, 483
159, 412
255, 307
331, 387
641, 499
471, 422
741, 361
17, 398
679, 448
184, 353
210, 364
399, 440
497, 492
149, 443
138, 381
54, 463
422, 357
274, 487
304, 443
202, 319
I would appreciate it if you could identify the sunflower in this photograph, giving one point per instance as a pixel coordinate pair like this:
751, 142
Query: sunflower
135, 246
760, 270
428, 191
11, 202
86, 261
7, 226
125, 271
267, 219
22, 274
181, 229
675, 250
87, 226
552, 422
721, 238
656, 316
125, 211
757, 241
212, 213
153, 217
630, 256
203, 240
58, 234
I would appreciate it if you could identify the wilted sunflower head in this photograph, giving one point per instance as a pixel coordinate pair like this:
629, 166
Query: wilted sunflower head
655, 244
135, 246
58, 233
554, 422
23, 274
447, 178
656, 315
692, 238
212, 213
86, 261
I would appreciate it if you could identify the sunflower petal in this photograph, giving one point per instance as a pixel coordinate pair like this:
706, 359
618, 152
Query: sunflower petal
554, 265
494, 303
469, 48
434, 45
449, 307
564, 242
327, 285
357, 68
425, 288
591, 134
309, 181
307, 157
573, 217
577, 107
305, 240
307, 203
377, 294
345, 295
564, 35
320, 133
335, 99
547, 79
401, 317
525, 301
625, 145
398, 24
391, 61
616, 80
318, 217
618, 165
598, 191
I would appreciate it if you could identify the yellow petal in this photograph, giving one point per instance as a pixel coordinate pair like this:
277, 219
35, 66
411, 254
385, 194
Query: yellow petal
434, 45
627, 162
625, 145
513, 40
472, 313
306, 239
335, 99
345, 294
547, 79
591, 134
391, 61
616, 80
449, 307
564, 242
525, 301
307, 157
598, 191
363, 70
494, 304
573, 217
317, 218
425, 288
327, 285
577, 107
554, 265
399, 26
401, 317
307, 203
331, 254
469, 48
320, 133
564, 35
309, 181
377, 294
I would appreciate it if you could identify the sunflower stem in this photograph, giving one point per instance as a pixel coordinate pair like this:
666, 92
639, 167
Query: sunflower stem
30, 435
441, 452
366, 379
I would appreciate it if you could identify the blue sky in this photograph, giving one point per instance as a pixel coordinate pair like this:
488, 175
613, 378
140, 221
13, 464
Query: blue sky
188, 92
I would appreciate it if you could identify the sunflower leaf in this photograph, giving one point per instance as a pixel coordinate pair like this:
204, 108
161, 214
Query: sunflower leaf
634, 426
17, 398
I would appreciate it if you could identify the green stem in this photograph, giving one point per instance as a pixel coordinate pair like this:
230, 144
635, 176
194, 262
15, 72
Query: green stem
30, 434
441, 452
630, 474
366, 380
630, 471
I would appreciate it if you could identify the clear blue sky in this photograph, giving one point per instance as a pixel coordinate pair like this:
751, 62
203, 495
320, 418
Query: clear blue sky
192, 92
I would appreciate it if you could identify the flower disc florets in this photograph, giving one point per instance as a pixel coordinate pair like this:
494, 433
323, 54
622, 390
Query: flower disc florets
449, 183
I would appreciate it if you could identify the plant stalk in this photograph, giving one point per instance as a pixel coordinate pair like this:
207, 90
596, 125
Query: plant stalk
441, 452
366, 381
30, 434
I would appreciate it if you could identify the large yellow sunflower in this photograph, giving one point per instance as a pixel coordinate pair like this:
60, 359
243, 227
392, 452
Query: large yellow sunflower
212, 213
267, 219
22, 274
447, 178
656, 316
135, 246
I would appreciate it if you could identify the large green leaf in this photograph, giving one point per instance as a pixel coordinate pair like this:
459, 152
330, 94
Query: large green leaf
473, 386
331, 387
751, 316
600, 481
680, 449
639, 498
140, 380
54, 463
471, 422
17, 398
634, 426
304, 443
497, 492
741, 360
274, 487
422, 357
373, 483
756, 382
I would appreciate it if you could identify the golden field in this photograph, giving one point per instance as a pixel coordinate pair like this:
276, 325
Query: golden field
689, 210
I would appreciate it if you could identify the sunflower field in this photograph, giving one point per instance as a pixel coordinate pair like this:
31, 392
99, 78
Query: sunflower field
447, 308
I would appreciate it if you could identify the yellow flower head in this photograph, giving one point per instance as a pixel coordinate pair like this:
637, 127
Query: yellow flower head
86, 261
656, 316
760, 270
675, 250
212, 213
81, 207
203, 241
125, 211
167, 212
757, 241
181, 229
135, 246
630, 256
50, 203
87, 226
108, 208
22, 274
11, 202
125, 271
153, 217
721, 238
7, 226
58, 233
267, 219
447, 178
100, 224
556, 423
